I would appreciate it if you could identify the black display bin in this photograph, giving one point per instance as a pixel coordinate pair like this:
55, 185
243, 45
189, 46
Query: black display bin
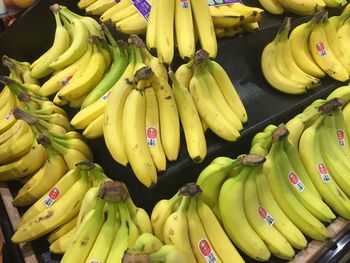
33, 33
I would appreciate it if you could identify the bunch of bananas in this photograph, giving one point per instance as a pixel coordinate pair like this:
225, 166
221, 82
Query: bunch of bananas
103, 238
230, 20
77, 60
188, 223
300, 7
295, 64
61, 204
149, 248
289, 184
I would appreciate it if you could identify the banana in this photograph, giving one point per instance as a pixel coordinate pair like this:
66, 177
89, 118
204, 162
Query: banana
53, 195
62, 230
204, 27
75, 143
7, 120
285, 62
85, 236
201, 245
340, 51
95, 128
168, 117
43, 180
157, 67
184, 74
303, 7
289, 204
208, 110
236, 224
299, 46
272, 74
307, 198
343, 34
190, 120
76, 49
85, 3
59, 46
25, 165
60, 245
281, 222
346, 112
121, 239
99, 7
11, 131
62, 77
337, 163
106, 16
133, 130
184, 29
219, 99
322, 53
169, 254
297, 165
88, 204
176, 230
161, 211
272, 6
151, 27
342, 92
114, 73
122, 14
17, 146
142, 221
112, 129
153, 130
335, 3
88, 80
262, 223
134, 24
211, 179
147, 243
103, 243
310, 153
216, 235
165, 30
341, 132
63, 209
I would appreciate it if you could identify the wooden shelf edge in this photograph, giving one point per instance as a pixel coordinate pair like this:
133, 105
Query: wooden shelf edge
316, 249
13, 214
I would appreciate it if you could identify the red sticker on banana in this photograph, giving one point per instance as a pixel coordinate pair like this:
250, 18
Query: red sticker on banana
184, 4
322, 170
65, 81
206, 251
94, 261
266, 216
52, 197
341, 138
321, 49
151, 135
295, 181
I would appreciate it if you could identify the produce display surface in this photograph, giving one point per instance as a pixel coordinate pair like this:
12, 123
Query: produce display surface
240, 58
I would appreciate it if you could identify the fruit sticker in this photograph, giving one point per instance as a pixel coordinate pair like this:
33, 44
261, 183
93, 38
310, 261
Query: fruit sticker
52, 197
184, 4
65, 81
266, 216
151, 135
321, 49
295, 181
8, 116
206, 251
341, 138
222, 2
322, 170
106, 96
94, 261
143, 7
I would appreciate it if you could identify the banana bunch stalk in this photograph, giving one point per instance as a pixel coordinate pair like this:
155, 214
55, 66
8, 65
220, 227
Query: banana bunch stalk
231, 19
105, 238
300, 7
280, 67
61, 203
187, 223
214, 97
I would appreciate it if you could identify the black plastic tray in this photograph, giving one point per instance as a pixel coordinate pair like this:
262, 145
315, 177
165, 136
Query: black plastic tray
32, 34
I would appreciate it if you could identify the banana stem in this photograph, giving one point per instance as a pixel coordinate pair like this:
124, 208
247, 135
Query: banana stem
133, 257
